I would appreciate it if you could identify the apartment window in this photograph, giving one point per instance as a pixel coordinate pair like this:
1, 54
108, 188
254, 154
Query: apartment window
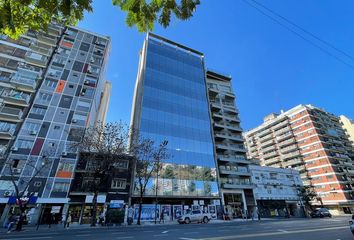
29, 126
66, 167
54, 72
118, 183
330, 177
26, 144
39, 110
56, 127
15, 163
121, 164
45, 97
61, 187
50, 83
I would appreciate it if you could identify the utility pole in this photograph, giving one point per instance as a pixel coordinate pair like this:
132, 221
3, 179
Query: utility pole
156, 187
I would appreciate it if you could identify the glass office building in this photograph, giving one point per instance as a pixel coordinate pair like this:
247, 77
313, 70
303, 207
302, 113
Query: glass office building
170, 103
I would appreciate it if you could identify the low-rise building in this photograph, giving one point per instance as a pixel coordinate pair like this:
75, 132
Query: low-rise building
276, 191
113, 188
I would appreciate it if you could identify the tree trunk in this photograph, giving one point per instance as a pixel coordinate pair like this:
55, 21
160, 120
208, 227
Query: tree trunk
140, 209
94, 209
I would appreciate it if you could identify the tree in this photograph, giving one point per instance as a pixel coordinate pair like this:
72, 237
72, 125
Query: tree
148, 163
101, 148
168, 172
307, 195
21, 185
143, 14
17, 16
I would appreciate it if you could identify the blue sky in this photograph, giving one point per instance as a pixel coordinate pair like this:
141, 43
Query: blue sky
272, 68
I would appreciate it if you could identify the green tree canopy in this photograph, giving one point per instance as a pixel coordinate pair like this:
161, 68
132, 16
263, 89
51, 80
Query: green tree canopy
17, 16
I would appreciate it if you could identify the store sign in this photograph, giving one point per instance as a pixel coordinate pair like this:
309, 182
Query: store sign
116, 204
23, 200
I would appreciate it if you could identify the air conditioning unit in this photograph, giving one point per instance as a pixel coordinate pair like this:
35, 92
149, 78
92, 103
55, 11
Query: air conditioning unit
33, 132
92, 60
74, 120
14, 149
64, 154
89, 69
87, 82
17, 170
82, 93
7, 193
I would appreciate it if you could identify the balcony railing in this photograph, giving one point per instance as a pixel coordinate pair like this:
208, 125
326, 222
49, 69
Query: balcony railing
14, 96
236, 159
24, 81
284, 136
293, 162
36, 58
286, 142
292, 154
10, 113
237, 184
7, 128
233, 170
288, 149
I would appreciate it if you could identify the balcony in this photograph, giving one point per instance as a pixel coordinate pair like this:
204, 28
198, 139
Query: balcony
35, 47
233, 170
267, 149
283, 130
271, 154
36, 59
267, 143
237, 184
293, 162
215, 106
45, 39
286, 142
264, 133
15, 97
234, 159
285, 136
228, 136
10, 114
24, 82
7, 130
288, 149
280, 125
272, 161
291, 155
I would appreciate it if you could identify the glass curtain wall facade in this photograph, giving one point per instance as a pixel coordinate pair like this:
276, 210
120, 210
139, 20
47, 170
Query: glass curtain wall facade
171, 104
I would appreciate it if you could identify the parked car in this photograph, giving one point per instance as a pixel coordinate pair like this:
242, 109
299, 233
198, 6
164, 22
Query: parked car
195, 216
321, 213
351, 225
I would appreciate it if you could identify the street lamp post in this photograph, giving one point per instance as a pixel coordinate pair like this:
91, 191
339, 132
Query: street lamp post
156, 189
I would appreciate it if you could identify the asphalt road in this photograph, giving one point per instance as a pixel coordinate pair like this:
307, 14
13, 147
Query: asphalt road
292, 229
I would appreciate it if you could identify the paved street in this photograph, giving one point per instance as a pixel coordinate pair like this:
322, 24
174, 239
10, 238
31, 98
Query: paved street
323, 229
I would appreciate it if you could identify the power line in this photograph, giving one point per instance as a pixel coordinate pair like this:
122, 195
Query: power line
304, 30
299, 35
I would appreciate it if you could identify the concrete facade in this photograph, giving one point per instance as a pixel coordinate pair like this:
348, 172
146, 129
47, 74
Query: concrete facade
67, 97
312, 141
348, 126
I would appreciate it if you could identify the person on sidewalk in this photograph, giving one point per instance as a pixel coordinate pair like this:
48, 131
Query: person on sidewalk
11, 222
130, 215
68, 221
162, 217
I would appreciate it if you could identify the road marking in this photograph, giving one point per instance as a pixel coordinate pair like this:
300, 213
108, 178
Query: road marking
124, 237
29, 238
274, 233
284, 231
191, 233
165, 232
183, 238
159, 235
225, 230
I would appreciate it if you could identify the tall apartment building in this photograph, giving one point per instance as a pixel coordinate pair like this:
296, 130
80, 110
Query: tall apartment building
348, 126
235, 177
170, 103
312, 141
52, 89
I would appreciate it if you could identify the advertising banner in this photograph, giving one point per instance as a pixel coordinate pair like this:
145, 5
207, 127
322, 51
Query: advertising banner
147, 212
177, 211
166, 211
212, 211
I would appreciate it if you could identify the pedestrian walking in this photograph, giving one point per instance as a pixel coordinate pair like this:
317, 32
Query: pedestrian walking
68, 221
11, 222
259, 215
130, 215
162, 217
